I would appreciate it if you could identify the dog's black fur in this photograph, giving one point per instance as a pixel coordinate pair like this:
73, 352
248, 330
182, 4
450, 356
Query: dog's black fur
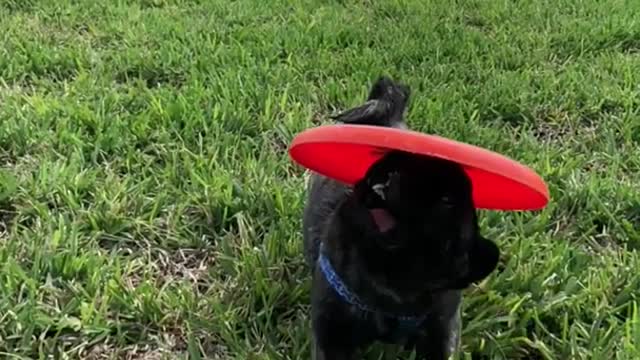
415, 259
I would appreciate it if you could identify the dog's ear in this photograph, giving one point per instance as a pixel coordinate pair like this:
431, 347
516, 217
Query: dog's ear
483, 260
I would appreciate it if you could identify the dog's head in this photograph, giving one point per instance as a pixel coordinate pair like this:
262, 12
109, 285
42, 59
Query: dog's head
413, 225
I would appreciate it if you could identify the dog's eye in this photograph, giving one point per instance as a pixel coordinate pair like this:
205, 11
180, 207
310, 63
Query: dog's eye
379, 189
447, 201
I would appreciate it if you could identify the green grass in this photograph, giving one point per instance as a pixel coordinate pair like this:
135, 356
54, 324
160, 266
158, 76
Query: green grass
148, 207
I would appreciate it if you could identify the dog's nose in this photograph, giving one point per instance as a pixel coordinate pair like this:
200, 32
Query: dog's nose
461, 263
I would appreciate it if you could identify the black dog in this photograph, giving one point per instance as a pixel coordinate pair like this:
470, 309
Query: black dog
392, 254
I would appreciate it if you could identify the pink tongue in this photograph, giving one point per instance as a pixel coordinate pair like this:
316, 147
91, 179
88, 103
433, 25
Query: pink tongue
383, 219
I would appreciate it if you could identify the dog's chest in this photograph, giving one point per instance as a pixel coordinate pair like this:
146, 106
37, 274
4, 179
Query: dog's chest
380, 327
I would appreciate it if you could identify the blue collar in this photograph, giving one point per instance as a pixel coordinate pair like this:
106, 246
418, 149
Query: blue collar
406, 322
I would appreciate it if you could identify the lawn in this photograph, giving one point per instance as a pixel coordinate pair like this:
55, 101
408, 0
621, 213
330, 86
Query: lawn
148, 207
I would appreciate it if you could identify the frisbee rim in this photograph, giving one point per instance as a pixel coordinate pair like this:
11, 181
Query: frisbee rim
415, 142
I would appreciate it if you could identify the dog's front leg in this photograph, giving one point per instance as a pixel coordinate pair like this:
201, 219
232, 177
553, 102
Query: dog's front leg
322, 353
440, 339
332, 333
331, 343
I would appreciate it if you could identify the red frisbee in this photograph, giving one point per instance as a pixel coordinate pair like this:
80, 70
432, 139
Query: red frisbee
345, 153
